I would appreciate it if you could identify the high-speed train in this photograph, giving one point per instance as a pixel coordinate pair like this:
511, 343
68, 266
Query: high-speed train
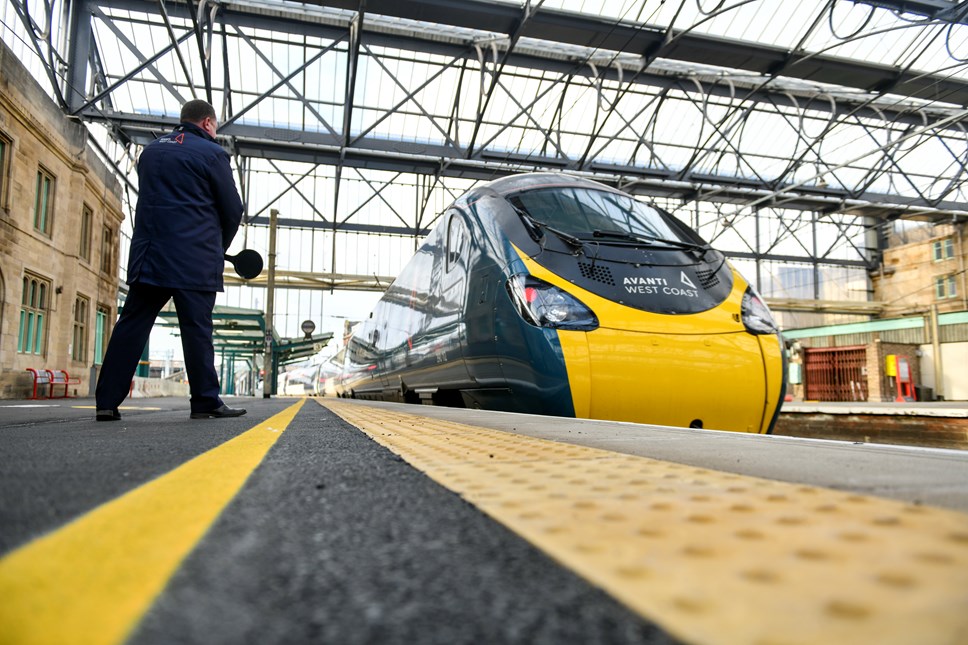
553, 294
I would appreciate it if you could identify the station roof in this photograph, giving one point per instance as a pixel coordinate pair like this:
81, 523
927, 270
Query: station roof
790, 135
827, 106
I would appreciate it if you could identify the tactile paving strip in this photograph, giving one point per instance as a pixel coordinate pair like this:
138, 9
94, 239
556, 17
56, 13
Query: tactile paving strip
712, 557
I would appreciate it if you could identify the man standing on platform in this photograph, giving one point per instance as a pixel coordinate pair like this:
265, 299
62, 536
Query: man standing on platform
187, 214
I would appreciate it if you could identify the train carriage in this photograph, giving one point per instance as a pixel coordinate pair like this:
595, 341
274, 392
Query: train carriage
553, 294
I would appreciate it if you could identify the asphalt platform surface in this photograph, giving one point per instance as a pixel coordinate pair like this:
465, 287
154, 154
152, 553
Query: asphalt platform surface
332, 539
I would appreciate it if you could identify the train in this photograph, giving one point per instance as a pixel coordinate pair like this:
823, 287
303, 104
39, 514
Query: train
553, 294
315, 379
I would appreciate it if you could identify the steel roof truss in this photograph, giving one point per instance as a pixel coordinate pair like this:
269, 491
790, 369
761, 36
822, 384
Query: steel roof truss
640, 138
525, 111
514, 33
411, 96
843, 236
722, 136
781, 219
299, 192
175, 42
377, 192
48, 60
147, 64
284, 80
887, 160
270, 202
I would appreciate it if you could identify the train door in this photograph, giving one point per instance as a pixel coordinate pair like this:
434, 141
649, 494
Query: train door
452, 286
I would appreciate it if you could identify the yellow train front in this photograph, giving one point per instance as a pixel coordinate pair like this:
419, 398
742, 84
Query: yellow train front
552, 294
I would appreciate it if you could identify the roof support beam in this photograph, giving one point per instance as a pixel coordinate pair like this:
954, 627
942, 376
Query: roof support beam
423, 158
589, 31
943, 10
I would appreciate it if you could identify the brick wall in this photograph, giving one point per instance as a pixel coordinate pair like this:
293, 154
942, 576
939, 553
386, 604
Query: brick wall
909, 430
876, 368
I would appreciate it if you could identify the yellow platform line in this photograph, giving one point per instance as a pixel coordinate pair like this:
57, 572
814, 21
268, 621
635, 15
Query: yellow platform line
90, 582
712, 557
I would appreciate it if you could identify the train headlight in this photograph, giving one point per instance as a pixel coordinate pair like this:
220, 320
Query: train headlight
756, 315
545, 305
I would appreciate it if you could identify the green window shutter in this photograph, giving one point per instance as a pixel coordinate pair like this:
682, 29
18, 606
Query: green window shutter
29, 340
39, 337
100, 324
20, 334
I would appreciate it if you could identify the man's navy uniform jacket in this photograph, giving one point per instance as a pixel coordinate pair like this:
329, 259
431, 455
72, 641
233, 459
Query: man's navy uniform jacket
188, 212
187, 215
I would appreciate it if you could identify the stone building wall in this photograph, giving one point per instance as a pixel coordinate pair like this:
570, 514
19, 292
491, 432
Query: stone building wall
37, 136
906, 280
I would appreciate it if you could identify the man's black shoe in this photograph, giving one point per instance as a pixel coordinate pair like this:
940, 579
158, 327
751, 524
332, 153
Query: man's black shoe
219, 413
108, 415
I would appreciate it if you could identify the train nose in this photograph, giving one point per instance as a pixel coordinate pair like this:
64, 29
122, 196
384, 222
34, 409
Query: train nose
701, 381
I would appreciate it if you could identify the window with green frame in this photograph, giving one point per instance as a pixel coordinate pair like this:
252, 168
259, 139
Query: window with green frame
100, 333
34, 305
945, 286
82, 307
943, 249
44, 202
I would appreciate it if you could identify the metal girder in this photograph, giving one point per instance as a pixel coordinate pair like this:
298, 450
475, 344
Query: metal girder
452, 12
709, 186
826, 306
423, 158
315, 281
372, 152
620, 36
942, 10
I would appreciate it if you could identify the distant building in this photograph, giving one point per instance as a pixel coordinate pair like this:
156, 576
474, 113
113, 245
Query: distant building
923, 266
924, 290
60, 217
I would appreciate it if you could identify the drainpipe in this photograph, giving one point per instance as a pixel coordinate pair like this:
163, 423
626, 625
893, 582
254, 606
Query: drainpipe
936, 348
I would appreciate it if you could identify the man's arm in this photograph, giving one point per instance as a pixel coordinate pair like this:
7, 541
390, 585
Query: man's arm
227, 199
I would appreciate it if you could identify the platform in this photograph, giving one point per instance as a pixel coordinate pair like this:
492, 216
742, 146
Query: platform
342, 522
933, 424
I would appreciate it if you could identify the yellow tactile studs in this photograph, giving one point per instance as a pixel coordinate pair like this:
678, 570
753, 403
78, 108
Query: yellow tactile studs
712, 557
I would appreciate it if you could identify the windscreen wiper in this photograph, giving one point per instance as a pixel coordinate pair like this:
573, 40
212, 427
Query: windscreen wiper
534, 226
651, 239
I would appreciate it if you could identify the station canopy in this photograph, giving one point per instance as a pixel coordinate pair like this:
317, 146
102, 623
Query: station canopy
794, 136
242, 333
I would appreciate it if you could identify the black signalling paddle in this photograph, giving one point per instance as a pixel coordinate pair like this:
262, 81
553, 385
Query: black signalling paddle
247, 263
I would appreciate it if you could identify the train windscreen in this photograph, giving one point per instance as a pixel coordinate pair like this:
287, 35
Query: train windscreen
588, 213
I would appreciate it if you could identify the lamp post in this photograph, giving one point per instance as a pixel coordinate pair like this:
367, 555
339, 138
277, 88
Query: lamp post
267, 362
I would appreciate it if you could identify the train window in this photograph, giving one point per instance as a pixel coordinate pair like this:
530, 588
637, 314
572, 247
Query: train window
456, 240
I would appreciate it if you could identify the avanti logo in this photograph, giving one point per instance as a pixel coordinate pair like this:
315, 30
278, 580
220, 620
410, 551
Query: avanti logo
657, 286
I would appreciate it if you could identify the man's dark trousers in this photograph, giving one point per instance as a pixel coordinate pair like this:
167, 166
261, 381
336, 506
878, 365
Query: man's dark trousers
128, 340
